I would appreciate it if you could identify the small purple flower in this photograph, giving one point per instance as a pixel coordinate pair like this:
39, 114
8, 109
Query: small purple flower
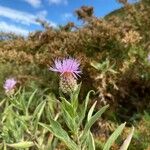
68, 66
9, 84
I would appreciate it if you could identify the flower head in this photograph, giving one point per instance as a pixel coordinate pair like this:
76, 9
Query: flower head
9, 84
68, 66
69, 70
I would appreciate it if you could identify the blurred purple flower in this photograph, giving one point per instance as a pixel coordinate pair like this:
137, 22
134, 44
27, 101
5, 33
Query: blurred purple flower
68, 66
9, 84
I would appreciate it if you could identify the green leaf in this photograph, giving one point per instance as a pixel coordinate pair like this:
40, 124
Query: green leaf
69, 120
91, 143
91, 111
23, 144
68, 107
60, 133
69, 114
4, 147
126, 143
83, 107
104, 66
30, 99
74, 97
113, 137
37, 114
16, 103
1, 145
23, 100
2, 102
92, 121
38, 111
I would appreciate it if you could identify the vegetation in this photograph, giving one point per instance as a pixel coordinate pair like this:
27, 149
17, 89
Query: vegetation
114, 53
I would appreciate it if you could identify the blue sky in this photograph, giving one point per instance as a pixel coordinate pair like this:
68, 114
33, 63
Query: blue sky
19, 15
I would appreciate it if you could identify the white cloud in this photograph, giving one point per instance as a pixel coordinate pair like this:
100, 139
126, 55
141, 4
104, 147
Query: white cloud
18, 16
24, 17
58, 2
66, 16
42, 14
34, 3
12, 28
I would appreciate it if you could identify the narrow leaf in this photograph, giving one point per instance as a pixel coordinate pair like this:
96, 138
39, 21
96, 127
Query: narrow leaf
70, 122
2, 102
60, 133
37, 114
30, 99
91, 143
5, 147
74, 97
68, 107
113, 137
38, 110
92, 121
91, 111
23, 144
83, 107
126, 143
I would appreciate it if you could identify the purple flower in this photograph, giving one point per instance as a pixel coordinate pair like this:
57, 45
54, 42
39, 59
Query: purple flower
9, 84
68, 66
69, 69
